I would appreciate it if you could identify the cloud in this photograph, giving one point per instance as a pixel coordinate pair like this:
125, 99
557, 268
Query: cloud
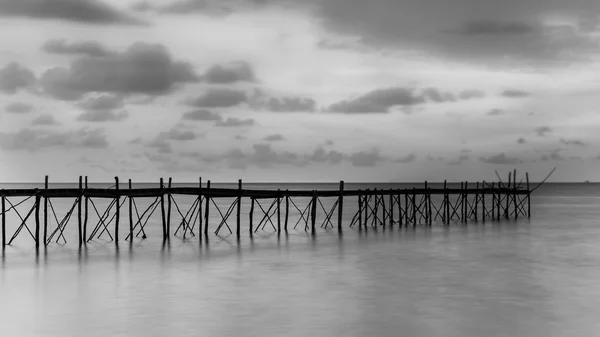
211, 8
438, 96
89, 48
274, 138
462, 158
102, 116
285, 104
233, 72
18, 108
181, 135
471, 94
521, 140
14, 77
542, 130
162, 141
320, 155
219, 98
477, 28
142, 69
377, 101
500, 159
104, 102
495, 112
201, 115
81, 11
45, 119
161, 144
365, 159
553, 155
235, 122
34, 140
406, 159
575, 142
512, 93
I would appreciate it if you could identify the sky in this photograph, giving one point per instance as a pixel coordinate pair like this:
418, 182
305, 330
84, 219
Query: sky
290, 90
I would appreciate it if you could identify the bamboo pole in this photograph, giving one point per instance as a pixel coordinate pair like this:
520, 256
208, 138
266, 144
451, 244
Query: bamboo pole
78, 214
130, 214
340, 206
46, 210
239, 208
118, 210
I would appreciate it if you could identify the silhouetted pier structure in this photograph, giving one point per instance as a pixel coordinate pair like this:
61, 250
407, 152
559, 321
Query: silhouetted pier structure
375, 208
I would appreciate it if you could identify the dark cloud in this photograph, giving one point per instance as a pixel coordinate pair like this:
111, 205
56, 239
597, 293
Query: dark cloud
82, 11
201, 115
377, 101
104, 102
34, 140
365, 159
235, 122
102, 116
462, 158
553, 155
14, 77
89, 48
18, 108
438, 96
495, 28
500, 159
575, 142
521, 140
45, 119
542, 130
512, 93
406, 159
495, 112
219, 98
141, 69
239, 71
274, 138
320, 155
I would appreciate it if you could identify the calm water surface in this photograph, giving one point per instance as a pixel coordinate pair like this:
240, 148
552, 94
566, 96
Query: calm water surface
538, 277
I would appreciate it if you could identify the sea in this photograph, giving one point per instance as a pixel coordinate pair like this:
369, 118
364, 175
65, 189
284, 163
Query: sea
537, 276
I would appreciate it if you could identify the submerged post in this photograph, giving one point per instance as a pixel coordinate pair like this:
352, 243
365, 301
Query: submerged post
446, 205
340, 205
85, 215
414, 206
528, 195
169, 196
130, 214
360, 209
287, 211
46, 208
162, 209
199, 214
391, 209
239, 207
483, 201
313, 213
118, 211
493, 203
476, 199
207, 209
3, 220
508, 195
37, 220
514, 194
278, 211
251, 214
78, 214
399, 201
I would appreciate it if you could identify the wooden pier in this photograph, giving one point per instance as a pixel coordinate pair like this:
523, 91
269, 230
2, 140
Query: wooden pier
373, 209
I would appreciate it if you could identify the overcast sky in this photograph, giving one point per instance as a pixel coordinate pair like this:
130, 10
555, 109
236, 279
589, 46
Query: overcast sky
290, 90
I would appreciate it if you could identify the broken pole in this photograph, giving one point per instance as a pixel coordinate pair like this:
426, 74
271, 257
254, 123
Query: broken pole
239, 208
340, 205
118, 210
78, 213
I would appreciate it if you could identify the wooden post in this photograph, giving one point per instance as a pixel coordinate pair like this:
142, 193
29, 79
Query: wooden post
366, 207
37, 221
446, 205
162, 210
78, 214
207, 209
278, 211
407, 218
3, 220
287, 211
199, 215
508, 194
391, 209
118, 211
462, 201
493, 202
340, 206
498, 201
130, 214
466, 201
427, 204
46, 208
528, 195
399, 200
483, 201
169, 210
514, 193
360, 209
476, 199
429, 207
251, 214
313, 216
85, 215
414, 202
384, 213
239, 208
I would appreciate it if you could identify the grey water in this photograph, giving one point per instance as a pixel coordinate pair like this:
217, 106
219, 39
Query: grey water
524, 277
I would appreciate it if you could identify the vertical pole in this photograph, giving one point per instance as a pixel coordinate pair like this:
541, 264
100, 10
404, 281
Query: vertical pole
251, 214
3, 220
239, 208
514, 193
130, 213
78, 213
476, 200
528, 195
427, 203
278, 211
169, 196
483, 201
507, 196
360, 209
46, 209
207, 209
313, 215
466, 202
445, 204
407, 218
162, 209
462, 201
391, 209
340, 206
493, 202
118, 211
382, 201
498, 201
287, 210
85, 211
366, 207
429, 207
399, 200
414, 205
199, 214
37, 221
